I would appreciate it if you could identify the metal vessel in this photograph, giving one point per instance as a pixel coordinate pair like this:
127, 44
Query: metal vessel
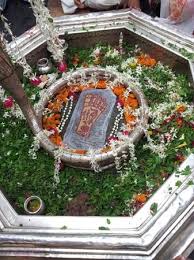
44, 66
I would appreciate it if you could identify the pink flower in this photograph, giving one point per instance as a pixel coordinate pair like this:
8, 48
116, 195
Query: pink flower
168, 137
53, 130
168, 119
125, 132
35, 81
120, 102
8, 102
112, 139
62, 67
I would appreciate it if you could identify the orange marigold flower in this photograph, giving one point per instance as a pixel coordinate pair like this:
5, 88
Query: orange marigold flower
62, 96
131, 95
132, 102
80, 151
141, 198
51, 121
181, 108
57, 116
119, 90
146, 60
56, 139
90, 86
101, 84
129, 117
106, 149
82, 87
55, 106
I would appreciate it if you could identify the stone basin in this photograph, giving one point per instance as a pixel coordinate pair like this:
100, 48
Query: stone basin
143, 236
105, 159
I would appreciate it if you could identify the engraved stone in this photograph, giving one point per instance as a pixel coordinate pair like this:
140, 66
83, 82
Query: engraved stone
90, 119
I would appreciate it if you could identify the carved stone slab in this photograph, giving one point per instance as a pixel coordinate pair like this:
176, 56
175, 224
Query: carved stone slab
90, 119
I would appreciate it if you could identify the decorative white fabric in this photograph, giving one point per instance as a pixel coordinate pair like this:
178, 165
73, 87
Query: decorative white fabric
101, 4
69, 7
185, 23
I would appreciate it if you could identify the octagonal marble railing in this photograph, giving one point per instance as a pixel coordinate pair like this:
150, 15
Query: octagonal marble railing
144, 236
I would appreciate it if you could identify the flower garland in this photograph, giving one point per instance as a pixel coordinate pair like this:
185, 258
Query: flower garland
65, 116
27, 70
45, 22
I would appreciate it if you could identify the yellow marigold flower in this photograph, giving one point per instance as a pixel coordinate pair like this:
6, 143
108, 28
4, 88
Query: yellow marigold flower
180, 108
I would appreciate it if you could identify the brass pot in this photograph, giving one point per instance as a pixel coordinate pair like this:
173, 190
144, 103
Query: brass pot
33, 205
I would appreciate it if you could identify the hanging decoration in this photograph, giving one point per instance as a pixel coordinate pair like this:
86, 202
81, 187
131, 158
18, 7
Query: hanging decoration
55, 45
27, 70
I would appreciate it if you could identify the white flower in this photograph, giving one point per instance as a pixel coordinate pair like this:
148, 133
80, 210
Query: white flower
55, 45
34, 148
130, 62
96, 52
112, 53
6, 114
94, 165
7, 132
33, 97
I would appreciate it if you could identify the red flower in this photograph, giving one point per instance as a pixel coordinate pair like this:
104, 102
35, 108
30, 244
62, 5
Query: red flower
112, 138
8, 102
169, 119
62, 67
35, 81
180, 157
73, 94
179, 121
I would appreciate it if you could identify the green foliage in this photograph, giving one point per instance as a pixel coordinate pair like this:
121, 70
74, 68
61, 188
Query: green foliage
110, 193
154, 208
103, 228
